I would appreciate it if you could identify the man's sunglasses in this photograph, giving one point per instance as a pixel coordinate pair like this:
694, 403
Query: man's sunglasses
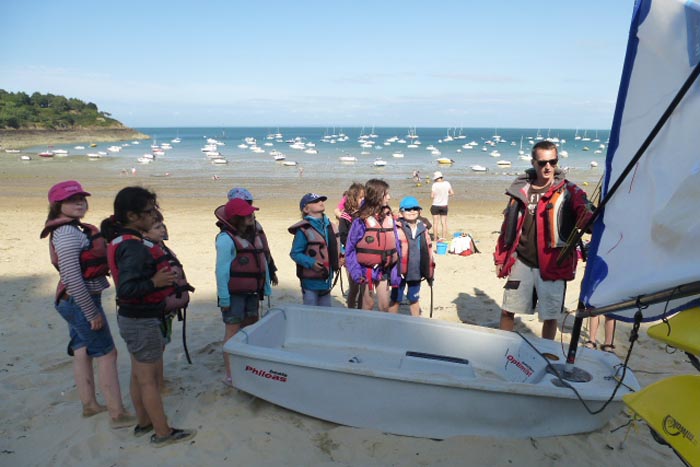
552, 162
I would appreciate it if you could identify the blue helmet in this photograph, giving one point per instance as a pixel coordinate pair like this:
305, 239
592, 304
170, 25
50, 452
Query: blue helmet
409, 202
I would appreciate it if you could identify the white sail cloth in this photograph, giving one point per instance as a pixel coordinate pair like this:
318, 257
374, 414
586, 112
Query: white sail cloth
648, 238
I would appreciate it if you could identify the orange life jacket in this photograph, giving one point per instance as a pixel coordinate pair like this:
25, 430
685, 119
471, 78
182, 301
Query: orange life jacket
378, 245
317, 248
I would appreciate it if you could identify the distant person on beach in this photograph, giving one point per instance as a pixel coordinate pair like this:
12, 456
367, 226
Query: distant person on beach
608, 344
176, 298
79, 253
242, 274
372, 248
532, 236
247, 196
416, 176
139, 283
416, 258
440, 194
315, 250
352, 200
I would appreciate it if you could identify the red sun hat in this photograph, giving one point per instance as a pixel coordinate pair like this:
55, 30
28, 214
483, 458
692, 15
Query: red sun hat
64, 190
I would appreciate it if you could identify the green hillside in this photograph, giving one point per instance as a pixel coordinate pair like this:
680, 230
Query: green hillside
21, 111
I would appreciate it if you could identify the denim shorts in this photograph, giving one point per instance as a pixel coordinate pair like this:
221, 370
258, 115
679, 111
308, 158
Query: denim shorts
242, 306
143, 337
99, 343
413, 294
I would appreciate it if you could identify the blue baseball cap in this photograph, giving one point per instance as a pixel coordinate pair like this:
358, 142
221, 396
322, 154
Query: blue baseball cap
409, 202
240, 193
309, 198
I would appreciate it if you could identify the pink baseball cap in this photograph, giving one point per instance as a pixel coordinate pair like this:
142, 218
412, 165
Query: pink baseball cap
64, 190
238, 207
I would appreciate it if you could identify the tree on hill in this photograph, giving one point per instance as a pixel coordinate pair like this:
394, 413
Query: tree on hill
48, 111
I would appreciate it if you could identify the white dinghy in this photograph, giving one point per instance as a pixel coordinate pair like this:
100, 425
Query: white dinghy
420, 377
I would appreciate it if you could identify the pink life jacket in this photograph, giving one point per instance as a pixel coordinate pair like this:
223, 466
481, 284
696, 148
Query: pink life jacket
378, 245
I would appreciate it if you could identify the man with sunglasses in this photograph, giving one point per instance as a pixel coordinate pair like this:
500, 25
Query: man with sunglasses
542, 211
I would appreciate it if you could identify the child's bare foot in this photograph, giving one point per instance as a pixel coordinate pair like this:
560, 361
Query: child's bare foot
90, 410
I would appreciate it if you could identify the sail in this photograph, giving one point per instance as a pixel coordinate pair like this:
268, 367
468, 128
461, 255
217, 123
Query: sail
647, 239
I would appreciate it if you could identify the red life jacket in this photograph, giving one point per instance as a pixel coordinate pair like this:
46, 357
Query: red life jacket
156, 296
427, 263
317, 248
180, 298
248, 269
378, 245
93, 259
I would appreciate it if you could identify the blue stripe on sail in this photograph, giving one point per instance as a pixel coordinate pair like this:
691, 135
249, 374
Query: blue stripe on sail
596, 268
692, 20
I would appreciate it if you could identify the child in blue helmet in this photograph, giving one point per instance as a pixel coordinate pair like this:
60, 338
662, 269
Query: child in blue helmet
416, 259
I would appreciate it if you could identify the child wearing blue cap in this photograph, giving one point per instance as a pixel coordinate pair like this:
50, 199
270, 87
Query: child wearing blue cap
416, 258
315, 250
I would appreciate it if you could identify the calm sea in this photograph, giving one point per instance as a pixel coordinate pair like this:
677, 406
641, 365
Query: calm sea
186, 158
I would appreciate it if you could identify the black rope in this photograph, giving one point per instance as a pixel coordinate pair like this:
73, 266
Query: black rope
182, 316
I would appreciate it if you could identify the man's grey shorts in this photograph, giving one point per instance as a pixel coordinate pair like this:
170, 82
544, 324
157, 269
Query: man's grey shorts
518, 293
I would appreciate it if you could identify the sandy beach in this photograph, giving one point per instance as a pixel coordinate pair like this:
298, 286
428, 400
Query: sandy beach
40, 417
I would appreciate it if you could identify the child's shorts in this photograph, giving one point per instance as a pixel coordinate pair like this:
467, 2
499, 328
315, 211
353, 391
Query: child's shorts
242, 306
98, 343
143, 337
413, 294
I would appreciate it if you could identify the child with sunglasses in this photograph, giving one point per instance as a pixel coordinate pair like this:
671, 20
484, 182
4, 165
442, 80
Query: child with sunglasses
416, 259
543, 209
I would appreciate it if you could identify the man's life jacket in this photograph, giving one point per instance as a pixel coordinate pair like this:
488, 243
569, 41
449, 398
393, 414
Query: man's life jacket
317, 248
93, 259
156, 296
427, 263
378, 245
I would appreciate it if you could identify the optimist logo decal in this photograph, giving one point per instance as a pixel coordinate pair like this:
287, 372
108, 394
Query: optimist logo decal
267, 374
522, 366
673, 427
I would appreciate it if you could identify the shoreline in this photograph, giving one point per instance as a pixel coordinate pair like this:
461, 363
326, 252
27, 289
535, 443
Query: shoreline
21, 139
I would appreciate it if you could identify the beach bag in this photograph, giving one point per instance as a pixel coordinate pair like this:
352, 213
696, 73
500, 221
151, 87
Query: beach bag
463, 245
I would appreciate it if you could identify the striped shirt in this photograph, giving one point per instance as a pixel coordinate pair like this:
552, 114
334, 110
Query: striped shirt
69, 242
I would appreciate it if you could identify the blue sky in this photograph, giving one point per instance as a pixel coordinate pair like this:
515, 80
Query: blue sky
320, 63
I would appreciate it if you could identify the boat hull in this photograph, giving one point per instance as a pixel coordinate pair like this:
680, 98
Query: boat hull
376, 382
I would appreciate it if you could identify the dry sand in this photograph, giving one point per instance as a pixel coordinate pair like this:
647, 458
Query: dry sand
40, 415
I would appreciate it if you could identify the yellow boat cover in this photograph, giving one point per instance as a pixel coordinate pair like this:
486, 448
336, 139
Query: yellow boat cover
670, 407
684, 332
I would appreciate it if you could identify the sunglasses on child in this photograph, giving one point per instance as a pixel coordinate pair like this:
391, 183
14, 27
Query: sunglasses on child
552, 162
410, 209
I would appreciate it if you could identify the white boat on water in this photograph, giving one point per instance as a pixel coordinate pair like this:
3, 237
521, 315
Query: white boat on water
25, 157
219, 161
398, 155
348, 159
379, 162
419, 377
279, 156
478, 168
60, 152
289, 163
94, 155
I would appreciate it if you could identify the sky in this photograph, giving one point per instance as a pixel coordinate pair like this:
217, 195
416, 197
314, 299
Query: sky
468, 63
